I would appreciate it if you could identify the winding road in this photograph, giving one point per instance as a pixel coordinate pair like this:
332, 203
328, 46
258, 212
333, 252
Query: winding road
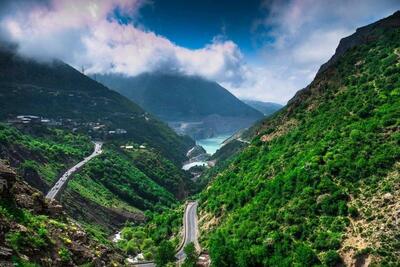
190, 230
190, 234
56, 190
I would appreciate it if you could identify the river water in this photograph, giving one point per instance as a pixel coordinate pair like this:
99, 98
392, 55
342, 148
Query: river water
211, 145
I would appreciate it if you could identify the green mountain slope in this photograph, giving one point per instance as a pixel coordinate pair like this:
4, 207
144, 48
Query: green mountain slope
318, 185
106, 192
57, 91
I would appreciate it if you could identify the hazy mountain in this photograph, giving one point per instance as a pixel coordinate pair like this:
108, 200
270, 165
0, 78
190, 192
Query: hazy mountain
267, 108
318, 185
205, 107
56, 90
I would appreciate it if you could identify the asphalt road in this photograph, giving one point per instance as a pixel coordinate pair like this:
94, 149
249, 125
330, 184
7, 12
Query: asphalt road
55, 190
190, 229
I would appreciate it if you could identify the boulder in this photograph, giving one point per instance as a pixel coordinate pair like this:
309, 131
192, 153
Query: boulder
388, 197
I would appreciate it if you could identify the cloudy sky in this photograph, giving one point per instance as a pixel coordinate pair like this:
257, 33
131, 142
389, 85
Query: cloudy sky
265, 50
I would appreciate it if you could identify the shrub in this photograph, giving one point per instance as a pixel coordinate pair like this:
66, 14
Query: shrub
332, 258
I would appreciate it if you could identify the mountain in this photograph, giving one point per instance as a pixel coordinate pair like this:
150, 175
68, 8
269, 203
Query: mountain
57, 91
190, 104
139, 170
318, 185
266, 108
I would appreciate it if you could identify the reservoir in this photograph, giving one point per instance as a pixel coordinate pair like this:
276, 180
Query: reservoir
211, 145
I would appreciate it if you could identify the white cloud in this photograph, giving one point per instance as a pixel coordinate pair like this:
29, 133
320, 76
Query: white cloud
300, 35
82, 33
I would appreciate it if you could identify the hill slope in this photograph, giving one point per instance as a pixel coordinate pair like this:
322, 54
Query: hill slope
115, 187
175, 98
319, 182
57, 91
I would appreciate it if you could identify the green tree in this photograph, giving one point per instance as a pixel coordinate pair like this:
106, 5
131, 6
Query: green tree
165, 253
191, 256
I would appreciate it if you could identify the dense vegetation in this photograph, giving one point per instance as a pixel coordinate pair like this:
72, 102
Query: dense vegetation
42, 150
288, 199
159, 236
111, 180
161, 170
57, 91
121, 182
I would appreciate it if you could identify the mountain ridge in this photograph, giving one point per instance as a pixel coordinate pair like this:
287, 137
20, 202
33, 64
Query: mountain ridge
267, 108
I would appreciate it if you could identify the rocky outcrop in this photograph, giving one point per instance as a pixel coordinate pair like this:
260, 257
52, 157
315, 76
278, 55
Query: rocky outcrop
7, 180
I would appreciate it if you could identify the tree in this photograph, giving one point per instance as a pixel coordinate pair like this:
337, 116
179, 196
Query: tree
165, 253
191, 256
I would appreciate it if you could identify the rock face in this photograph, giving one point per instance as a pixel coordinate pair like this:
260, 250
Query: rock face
362, 35
7, 180
36, 231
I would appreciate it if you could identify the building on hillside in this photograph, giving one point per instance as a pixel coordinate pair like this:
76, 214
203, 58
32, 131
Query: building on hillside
120, 131
117, 131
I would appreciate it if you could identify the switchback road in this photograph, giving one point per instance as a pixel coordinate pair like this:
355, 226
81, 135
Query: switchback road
62, 182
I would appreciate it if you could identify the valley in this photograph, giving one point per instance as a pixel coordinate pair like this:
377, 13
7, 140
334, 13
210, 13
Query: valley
109, 161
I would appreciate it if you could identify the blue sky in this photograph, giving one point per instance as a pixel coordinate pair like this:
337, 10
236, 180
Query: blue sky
193, 24
264, 50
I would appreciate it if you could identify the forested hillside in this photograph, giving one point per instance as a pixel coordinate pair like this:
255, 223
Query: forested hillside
319, 183
112, 188
57, 91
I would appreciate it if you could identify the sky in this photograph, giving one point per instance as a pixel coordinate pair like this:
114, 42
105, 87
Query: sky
258, 49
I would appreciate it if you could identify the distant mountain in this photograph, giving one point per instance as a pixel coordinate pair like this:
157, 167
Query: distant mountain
176, 98
56, 90
267, 108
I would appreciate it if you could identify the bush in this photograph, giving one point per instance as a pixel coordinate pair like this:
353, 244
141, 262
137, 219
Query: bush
191, 256
165, 253
332, 258
64, 254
